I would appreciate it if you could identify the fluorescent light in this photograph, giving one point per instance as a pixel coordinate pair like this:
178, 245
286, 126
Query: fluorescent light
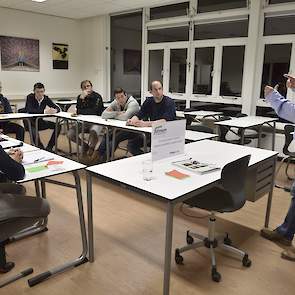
39, 0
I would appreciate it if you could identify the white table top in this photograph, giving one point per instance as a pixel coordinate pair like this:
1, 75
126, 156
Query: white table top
67, 165
196, 135
180, 114
15, 116
129, 171
246, 122
203, 114
66, 102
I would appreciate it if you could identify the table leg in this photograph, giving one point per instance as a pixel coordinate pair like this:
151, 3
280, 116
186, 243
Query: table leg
30, 131
274, 136
113, 143
83, 257
242, 136
144, 142
56, 135
259, 136
269, 199
90, 216
77, 140
168, 247
108, 143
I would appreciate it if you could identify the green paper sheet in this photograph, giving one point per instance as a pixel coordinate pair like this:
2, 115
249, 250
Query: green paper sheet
36, 169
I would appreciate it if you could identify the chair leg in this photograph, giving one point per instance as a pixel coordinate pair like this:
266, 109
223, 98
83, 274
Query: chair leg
279, 168
216, 276
4, 265
286, 170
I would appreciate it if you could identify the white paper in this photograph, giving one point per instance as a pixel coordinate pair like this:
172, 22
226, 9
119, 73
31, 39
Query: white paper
168, 139
36, 157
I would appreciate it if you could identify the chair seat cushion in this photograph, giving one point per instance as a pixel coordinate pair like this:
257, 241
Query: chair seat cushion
215, 199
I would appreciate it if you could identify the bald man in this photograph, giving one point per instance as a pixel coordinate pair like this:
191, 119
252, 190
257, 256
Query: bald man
158, 108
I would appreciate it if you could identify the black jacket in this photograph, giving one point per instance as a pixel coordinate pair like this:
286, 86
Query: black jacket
10, 169
92, 104
5, 107
33, 107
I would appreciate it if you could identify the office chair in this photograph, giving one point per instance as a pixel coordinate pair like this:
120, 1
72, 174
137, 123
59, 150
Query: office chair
18, 212
228, 196
288, 132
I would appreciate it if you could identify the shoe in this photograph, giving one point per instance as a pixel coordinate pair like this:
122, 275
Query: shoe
90, 151
274, 236
289, 254
97, 158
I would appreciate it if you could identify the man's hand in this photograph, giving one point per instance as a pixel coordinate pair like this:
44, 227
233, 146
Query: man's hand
16, 154
83, 94
268, 90
291, 81
49, 110
140, 123
132, 121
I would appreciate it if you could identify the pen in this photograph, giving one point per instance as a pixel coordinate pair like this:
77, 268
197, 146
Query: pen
182, 160
37, 160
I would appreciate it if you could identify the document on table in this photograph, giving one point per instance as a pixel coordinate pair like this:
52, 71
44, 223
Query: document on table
168, 139
36, 157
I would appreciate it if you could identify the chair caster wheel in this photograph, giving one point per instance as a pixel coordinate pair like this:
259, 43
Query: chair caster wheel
178, 257
7, 267
189, 238
227, 240
246, 261
216, 276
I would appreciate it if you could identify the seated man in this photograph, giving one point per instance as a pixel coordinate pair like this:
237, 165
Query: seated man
122, 108
9, 127
89, 102
158, 108
11, 168
39, 103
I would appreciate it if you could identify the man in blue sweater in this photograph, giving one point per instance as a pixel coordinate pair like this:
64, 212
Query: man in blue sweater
284, 233
158, 108
9, 127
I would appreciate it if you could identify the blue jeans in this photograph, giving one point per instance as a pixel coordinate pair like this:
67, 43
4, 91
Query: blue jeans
287, 229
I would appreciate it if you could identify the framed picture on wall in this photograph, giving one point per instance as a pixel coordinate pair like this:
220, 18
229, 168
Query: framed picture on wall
132, 61
60, 56
19, 54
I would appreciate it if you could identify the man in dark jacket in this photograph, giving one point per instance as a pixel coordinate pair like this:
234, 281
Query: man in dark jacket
9, 127
89, 102
39, 103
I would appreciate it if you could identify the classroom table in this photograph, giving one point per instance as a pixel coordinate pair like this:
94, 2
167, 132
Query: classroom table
127, 173
39, 166
247, 122
204, 114
22, 116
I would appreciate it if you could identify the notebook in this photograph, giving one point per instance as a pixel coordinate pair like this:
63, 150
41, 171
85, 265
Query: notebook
196, 166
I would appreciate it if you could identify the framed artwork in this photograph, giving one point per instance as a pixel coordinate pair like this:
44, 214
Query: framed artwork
132, 61
60, 56
19, 54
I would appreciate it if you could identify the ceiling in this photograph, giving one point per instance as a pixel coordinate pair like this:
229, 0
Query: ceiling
80, 8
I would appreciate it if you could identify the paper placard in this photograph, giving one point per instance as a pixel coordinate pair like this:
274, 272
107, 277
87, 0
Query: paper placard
168, 139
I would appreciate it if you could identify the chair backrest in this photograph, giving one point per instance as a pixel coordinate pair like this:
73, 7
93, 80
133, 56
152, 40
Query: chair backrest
288, 129
233, 180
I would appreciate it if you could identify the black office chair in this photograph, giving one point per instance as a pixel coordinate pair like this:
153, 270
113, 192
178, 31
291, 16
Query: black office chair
288, 132
18, 212
228, 196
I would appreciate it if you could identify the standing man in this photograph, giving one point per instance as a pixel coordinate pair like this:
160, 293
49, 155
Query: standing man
158, 108
39, 103
284, 233
9, 127
122, 108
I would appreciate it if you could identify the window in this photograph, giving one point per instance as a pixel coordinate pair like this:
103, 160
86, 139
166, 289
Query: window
177, 70
156, 65
280, 1
168, 35
232, 70
276, 64
126, 49
204, 60
172, 10
215, 5
279, 25
221, 30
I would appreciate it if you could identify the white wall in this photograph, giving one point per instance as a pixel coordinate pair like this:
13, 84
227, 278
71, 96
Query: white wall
86, 39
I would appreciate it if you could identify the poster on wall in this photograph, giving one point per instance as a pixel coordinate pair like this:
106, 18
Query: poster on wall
60, 56
132, 61
19, 54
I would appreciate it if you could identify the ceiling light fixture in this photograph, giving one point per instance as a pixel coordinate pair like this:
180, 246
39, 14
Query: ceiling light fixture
39, 0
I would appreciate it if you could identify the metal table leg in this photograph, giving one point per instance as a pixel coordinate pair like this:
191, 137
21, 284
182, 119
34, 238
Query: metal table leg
242, 136
259, 136
90, 217
144, 142
168, 247
30, 130
269, 199
274, 136
77, 140
113, 143
56, 135
83, 257
108, 143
